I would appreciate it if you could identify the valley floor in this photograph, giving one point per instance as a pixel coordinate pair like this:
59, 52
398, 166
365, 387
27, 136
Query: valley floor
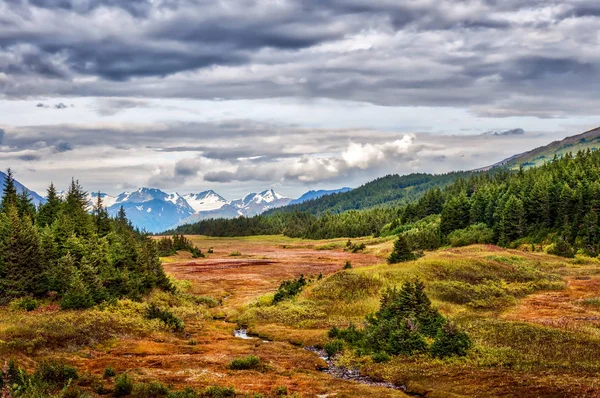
534, 319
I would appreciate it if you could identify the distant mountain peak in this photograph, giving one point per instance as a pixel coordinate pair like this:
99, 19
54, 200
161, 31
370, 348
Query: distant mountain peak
517, 131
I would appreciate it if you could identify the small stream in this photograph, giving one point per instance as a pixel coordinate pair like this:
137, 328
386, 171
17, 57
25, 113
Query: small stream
243, 334
340, 372
332, 369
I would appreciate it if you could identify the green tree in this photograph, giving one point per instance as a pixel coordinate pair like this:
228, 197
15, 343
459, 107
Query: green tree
401, 252
9, 197
48, 212
22, 268
101, 217
513, 220
456, 213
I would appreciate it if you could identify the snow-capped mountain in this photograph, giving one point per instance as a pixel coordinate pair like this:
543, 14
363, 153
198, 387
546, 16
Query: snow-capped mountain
37, 199
257, 203
205, 201
149, 208
107, 200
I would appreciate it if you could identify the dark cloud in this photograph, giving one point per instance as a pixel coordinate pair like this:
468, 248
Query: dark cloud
29, 157
494, 57
63, 146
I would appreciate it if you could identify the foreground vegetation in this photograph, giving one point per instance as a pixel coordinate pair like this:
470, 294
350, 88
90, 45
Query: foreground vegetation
465, 342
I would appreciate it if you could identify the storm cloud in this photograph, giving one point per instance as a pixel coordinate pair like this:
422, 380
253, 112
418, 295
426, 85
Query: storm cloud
495, 58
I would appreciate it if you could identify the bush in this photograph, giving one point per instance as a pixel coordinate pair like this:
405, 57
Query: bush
55, 372
380, 357
167, 317
450, 341
561, 248
348, 265
123, 385
333, 347
249, 362
153, 389
188, 392
353, 247
289, 289
280, 391
219, 392
235, 254
476, 233
25, 304
210, 251
109, 372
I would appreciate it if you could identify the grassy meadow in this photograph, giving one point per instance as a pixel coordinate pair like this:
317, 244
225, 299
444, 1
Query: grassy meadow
533, 318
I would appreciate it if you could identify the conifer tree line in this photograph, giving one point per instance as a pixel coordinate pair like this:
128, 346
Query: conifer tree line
61, 249
557, 203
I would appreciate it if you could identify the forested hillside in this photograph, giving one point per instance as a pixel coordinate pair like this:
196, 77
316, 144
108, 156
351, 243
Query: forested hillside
62, 250
555, 205
389, 190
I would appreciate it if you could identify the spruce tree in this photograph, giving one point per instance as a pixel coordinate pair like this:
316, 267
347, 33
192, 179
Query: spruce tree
101, 217
25, 205
513, 220
9, 197
22, 268
402, 251
48, 212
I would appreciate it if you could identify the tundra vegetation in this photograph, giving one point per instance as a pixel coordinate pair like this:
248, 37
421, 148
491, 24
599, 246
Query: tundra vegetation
488, 287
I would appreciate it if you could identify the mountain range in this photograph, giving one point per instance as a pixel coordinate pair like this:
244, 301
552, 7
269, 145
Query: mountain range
156, 211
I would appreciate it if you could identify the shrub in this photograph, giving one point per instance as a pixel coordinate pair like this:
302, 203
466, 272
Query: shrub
353, 247
153, 389
25, 304
280, 391
210, 251
333, 347
55, 372
109, 372
561, 248
123, 385
450, 341
235, 254
348, 265
289, 289
249, 362
219, 392
380, 357
188, 392
167, 317
476, 233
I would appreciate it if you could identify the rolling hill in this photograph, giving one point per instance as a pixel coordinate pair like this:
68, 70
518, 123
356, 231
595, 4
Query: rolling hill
538, 156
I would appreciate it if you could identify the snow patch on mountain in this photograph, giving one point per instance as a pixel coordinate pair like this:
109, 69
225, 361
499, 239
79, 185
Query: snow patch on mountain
205, 201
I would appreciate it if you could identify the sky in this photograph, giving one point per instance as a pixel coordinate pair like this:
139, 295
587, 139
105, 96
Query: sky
241, 96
